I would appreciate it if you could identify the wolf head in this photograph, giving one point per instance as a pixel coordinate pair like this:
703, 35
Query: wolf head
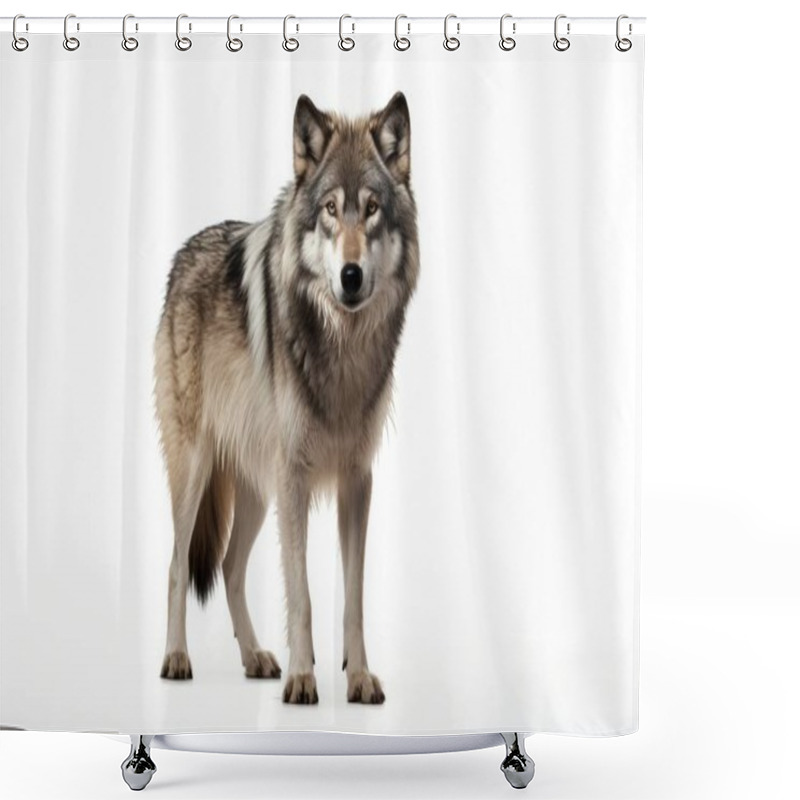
353, 196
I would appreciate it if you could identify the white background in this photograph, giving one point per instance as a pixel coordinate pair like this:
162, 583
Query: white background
721, 436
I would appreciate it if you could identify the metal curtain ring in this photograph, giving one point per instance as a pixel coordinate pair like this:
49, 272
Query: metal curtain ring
19, 43
345, 42
507, 42
70, 42
401, 42
290, 44
451, 42
561, 43
129, 43
181, 42
233, 44
623, 45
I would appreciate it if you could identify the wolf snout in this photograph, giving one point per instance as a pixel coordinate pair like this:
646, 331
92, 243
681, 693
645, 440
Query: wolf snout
352, 277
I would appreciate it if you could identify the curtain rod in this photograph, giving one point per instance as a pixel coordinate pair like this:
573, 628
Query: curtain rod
519, 26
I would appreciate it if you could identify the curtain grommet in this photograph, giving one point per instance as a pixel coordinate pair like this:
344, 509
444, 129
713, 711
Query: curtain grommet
451, 43
183, 43
561, 43
233, 44
401, 43
129, 43
71, 43
346, 43
19, 43
507, 43
289, 44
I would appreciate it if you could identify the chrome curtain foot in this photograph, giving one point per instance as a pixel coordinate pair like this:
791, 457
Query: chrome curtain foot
138, 768
517, 766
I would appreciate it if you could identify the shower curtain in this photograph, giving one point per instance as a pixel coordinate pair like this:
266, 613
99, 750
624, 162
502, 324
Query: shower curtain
480, 208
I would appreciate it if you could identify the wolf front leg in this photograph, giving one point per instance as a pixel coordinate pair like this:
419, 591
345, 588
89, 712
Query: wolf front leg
138, 768
517, 766
355, 492
293, 501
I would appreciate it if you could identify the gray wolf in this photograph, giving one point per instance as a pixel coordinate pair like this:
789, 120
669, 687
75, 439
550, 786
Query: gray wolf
273, 379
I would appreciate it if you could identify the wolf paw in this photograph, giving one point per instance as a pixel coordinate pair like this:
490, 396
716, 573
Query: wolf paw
364, 687
301, 688
177, 666
261, 664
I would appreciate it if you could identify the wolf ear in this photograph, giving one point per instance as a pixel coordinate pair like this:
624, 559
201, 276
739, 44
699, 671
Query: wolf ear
391, 131
312, 131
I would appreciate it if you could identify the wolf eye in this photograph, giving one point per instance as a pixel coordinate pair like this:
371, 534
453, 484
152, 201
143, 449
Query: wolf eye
331, 206
372, 207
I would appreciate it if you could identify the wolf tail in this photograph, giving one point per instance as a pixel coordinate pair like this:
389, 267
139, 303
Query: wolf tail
210, 533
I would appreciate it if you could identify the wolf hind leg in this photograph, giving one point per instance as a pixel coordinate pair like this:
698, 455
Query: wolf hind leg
188, 478
248, 517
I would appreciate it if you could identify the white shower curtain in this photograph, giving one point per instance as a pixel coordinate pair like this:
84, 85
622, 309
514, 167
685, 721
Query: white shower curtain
501, 570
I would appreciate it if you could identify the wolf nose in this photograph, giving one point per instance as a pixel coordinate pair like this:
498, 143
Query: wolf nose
351, 279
